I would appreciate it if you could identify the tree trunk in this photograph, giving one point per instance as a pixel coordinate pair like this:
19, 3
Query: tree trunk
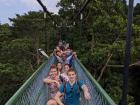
103, 69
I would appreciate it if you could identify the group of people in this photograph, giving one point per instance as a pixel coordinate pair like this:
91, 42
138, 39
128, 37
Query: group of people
65, 88
64, 53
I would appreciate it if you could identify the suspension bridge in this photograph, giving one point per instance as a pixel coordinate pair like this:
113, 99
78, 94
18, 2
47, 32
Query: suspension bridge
34, 91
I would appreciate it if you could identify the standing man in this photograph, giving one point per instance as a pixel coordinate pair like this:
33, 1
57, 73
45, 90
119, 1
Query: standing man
71, 90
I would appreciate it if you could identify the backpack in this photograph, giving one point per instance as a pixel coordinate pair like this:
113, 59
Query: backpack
79, 87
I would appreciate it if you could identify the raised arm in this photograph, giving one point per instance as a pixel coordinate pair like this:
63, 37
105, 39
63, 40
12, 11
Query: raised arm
47, 80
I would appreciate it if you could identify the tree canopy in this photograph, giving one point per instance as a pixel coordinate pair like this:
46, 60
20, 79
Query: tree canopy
98, 39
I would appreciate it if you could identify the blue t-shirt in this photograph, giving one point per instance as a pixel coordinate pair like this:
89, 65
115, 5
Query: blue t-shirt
72, 93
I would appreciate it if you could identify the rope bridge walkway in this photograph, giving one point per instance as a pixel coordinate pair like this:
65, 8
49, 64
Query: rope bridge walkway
34, 92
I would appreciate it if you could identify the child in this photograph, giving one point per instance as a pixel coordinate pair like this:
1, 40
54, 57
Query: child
53, 83
71, 90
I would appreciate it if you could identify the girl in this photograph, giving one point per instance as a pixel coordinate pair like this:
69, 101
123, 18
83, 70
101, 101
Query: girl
53, 83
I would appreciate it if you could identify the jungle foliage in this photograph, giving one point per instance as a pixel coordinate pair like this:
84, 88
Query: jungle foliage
98, 39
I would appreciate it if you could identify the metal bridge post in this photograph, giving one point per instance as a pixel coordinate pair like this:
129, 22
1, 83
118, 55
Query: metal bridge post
127, 54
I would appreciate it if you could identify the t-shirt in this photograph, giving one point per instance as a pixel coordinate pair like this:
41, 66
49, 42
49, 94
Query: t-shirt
71, 93
53, 88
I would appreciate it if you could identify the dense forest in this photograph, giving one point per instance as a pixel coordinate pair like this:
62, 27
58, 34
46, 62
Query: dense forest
98, 38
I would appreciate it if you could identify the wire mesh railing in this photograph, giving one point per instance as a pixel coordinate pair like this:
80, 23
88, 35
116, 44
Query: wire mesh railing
98, 94
34, 92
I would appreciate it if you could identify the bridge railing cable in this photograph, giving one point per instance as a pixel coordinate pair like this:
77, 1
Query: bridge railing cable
46, 11
82, 9
33, 91
98, 94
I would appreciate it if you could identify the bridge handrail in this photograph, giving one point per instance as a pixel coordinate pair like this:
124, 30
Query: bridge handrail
97, 85
21, 90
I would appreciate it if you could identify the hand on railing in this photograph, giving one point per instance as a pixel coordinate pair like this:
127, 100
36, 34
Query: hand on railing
87, 96
86, 92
